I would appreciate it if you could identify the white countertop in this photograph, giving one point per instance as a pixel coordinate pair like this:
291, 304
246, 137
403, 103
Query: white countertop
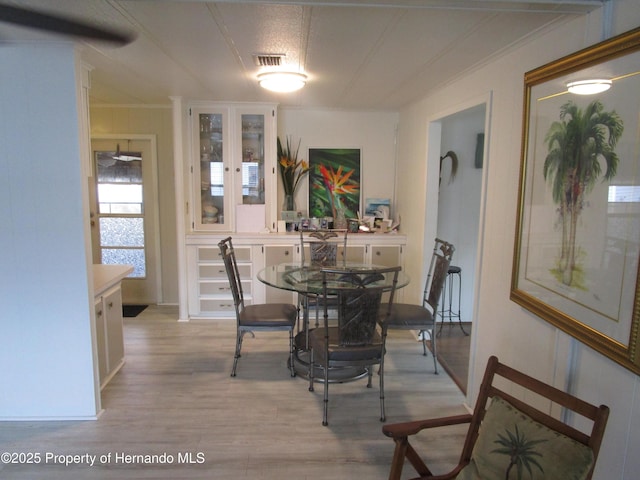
213, 238
106, 276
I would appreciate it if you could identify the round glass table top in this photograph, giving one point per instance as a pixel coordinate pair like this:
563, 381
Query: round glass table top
308, 279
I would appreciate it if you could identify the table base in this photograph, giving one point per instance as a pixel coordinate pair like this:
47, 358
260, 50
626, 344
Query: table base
301, 358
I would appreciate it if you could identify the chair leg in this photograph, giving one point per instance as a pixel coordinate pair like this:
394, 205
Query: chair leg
383, 416
434, 349
369, 375
398, 458
293, 372
311, 370
237, 354
325, 415
424, 342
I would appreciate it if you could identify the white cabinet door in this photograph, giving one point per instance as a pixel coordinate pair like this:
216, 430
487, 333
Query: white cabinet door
273, 255
355, 253
212, 170
109, 333
112, 304
386, 255
101, 339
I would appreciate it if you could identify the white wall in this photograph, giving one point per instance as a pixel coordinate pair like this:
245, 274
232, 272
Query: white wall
45, 332
502, 327
373, 132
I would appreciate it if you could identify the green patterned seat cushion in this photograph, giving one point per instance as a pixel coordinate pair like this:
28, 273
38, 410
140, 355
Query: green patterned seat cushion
542, 453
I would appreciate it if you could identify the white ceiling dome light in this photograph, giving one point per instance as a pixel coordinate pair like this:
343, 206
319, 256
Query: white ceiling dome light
589, 87
282, 81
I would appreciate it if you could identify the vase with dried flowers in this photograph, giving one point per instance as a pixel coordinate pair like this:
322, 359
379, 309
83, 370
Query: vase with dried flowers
291, 171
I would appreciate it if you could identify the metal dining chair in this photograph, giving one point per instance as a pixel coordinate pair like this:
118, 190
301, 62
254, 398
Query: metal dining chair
355, 340
423, 317
323, 251
257, 317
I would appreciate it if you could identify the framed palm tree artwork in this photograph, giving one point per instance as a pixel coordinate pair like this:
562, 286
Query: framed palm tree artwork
577, 241
334, 184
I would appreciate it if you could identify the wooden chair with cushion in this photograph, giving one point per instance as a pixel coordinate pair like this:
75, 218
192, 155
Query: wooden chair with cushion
353, 340
422, 318
260, 317
510, 438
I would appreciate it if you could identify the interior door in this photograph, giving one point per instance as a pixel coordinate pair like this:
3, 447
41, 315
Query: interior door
123, 213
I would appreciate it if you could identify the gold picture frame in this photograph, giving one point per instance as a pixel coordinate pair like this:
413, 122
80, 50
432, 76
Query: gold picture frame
577, 240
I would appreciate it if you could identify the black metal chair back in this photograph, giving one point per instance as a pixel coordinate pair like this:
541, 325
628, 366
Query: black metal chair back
358, 302
437, 275
323, 252
231, 266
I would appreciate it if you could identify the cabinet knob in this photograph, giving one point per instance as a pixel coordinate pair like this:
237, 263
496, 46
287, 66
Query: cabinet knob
378, 253
286, 253
99, 313
110, 304
238, 169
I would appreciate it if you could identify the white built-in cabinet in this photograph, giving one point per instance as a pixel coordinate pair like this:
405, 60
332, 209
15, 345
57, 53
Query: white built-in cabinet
232, 167
209, 289
209, 295
109, 336
108, 319
231, 183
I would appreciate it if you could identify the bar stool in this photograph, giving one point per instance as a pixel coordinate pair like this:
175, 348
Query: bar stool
454, 272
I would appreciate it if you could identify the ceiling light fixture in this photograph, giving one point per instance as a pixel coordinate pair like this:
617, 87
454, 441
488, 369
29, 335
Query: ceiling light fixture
589, 87
282, 82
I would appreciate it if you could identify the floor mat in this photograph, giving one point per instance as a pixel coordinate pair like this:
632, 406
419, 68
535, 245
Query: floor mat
132, 310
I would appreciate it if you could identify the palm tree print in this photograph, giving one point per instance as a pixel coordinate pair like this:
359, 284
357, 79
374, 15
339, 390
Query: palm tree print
520, 451
577, 144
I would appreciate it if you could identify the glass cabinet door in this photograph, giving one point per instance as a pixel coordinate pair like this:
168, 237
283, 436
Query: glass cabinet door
232, 164
212, 170
253, 162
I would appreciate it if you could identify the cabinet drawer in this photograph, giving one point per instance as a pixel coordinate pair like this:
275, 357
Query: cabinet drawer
212, 254
223, 288
219, 306
219, 272
355, 253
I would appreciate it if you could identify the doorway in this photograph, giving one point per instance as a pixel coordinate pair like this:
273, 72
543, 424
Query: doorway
123, 209
458, 137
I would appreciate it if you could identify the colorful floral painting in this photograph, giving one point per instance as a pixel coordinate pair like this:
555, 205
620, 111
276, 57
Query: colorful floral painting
334, 182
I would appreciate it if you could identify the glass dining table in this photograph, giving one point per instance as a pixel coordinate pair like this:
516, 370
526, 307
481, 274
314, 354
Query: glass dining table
308, 279
307, 282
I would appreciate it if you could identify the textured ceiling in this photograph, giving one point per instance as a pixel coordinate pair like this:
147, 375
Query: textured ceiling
371, 54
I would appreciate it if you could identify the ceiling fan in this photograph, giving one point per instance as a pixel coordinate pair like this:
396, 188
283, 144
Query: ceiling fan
53, 23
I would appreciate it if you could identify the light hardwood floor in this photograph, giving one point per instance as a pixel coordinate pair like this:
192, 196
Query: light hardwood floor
174, 396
